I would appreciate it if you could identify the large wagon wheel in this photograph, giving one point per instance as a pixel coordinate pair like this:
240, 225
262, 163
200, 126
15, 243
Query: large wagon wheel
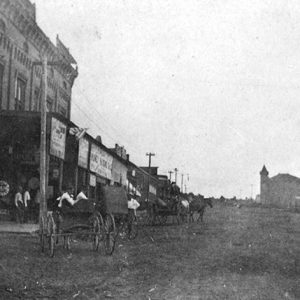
51, 234
132, 225
163, 219
42, 233
97, 228
151, 215
110, 234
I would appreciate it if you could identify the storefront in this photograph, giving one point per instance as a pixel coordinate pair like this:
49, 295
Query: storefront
74, 159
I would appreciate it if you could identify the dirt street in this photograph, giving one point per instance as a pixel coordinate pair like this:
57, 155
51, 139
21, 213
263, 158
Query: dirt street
239, 253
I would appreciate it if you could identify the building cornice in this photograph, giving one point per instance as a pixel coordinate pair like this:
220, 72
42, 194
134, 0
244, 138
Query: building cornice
32, 32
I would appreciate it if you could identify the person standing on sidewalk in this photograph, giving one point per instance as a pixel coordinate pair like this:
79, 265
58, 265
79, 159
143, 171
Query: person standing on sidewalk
27, 204
19, 204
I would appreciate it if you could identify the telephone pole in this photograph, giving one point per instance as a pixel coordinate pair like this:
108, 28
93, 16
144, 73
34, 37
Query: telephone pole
176, 170
170, 177
149, 168
43, 138
43, 150
182, 182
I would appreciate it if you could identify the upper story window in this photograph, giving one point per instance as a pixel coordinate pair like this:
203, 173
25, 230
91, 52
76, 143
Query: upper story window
1, 82
25, 47
20, 94
51, 72
49, 104
62, 111
36, 101
2, 26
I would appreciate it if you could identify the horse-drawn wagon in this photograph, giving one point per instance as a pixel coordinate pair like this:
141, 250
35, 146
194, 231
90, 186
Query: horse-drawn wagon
160, 210
118, 218
97, 220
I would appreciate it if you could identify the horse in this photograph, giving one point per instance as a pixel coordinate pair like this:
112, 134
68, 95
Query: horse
183, 209
198, 204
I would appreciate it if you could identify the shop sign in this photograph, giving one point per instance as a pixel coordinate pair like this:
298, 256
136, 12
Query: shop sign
152, 189
101, 162
92, 180
4, 188
83, 153
58, 138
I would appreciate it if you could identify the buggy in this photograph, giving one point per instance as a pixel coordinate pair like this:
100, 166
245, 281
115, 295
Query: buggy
98, 221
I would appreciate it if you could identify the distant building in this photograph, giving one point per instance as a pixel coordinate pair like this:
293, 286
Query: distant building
22, 42
282, 190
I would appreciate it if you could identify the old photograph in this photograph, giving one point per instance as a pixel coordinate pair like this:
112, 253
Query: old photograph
150, 149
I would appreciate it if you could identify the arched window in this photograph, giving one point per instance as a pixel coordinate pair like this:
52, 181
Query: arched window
2, 26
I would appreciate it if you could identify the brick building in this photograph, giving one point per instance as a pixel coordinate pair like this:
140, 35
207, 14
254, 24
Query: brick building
282, 190
22, 42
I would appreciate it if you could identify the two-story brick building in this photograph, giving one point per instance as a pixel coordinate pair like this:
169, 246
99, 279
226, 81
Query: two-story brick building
72, 158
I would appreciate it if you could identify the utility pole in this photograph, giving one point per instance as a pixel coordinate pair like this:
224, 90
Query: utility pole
43, 150
170, 177
251, 191
149, 167
43, 142
176, 170
181, 183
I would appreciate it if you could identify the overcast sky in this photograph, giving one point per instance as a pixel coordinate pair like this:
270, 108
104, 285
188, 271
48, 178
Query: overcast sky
211, 87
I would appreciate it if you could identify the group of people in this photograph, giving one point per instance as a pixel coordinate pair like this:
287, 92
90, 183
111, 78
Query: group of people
27, 202
26, 205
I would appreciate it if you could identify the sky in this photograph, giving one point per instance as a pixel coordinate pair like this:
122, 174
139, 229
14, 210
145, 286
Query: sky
212, 87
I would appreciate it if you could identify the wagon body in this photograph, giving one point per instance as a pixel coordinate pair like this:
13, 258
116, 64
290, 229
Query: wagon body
161, 209
81, 219
113, 200
118, 219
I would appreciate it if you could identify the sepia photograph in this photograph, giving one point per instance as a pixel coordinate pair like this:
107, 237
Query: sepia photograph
150, 149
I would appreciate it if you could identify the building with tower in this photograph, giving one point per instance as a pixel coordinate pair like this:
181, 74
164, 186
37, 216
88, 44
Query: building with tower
281, 190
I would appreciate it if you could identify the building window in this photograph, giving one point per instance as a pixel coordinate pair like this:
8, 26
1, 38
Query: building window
49, 104
51, 73
2, 26
36, 101
25, 47
20, 94
62, 111
1, 83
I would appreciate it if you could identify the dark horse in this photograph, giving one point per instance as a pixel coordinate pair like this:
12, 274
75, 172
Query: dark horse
198, 204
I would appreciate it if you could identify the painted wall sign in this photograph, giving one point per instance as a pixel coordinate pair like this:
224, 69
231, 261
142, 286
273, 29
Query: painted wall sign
83, 153
152, 189
58, 138
101, 162
92, 180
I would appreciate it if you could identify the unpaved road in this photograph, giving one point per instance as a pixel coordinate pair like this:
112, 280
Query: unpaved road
239, 253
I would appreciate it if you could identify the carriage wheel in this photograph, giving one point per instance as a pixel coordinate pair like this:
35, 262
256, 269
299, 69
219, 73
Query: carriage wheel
132, 225
96, 228
51, 234
110, 234
179, 217
163, 219
151, 215
42, 233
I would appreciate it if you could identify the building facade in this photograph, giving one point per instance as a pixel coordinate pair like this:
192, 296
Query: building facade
74, 158
282, 190
22, 44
